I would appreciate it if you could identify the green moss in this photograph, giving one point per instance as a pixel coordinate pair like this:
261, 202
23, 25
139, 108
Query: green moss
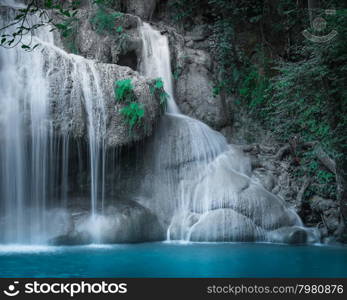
106, 22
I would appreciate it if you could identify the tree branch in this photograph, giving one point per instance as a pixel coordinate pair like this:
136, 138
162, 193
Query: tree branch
325, 160
304, 187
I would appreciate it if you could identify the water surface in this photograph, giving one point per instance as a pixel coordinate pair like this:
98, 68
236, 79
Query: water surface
174, 260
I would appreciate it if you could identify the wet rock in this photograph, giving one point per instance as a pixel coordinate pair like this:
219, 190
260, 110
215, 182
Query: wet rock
331, 241
73, 239
120, 222
194, 82
225, 225
289, 235
68, 108
265, 178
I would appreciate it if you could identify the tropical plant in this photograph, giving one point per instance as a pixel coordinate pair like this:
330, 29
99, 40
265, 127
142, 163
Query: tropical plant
21, 25
133, 114
124, 90
106, 22
132, 111
157, 86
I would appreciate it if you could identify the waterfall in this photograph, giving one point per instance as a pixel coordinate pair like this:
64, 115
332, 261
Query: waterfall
52, 103
156, 61
34, 154
85, 72
25, 142
199, 185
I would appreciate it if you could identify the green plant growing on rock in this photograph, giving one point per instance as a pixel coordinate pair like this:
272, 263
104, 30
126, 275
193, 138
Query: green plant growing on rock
182, 11
107, 3
177, 73
106, 22
253, 89
157, 87
124, 90
68, 30
121, 39
133, 114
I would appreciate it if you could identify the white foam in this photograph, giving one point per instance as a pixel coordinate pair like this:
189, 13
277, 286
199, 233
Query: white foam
17, 248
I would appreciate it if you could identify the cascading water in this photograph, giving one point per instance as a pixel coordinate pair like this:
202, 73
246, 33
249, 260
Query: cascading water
196, 184
24, 153
200, 186
156, 61
34, 159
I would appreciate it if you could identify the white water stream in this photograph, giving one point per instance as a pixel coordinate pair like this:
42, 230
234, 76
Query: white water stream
35, 163
198, 185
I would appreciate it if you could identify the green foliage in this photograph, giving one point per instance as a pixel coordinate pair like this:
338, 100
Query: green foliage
217, 89
182, 11
298, 91
133, 114
177, 73
68, 29
229, 59
124, 91
322, 181
157, 87
253, 89
20, 26
308, 97
107, 3
106, 22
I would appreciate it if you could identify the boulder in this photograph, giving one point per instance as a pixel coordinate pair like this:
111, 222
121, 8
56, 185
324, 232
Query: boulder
327, 211
289, 235
119, 222
225, 225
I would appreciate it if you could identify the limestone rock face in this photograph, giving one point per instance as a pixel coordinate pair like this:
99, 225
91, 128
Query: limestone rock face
74, 77
193, 71
194, 90
192, 67
143, 9
118, 42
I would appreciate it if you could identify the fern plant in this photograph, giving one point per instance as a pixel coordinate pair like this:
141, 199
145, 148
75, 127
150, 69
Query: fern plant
133, 114
158, 87
124, 91
106, 22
